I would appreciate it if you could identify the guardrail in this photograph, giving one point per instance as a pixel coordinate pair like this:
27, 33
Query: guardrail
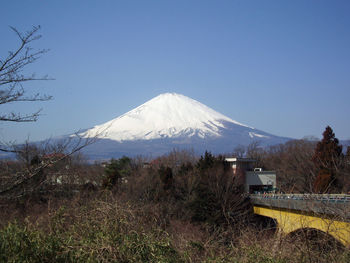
337, 204
330, 198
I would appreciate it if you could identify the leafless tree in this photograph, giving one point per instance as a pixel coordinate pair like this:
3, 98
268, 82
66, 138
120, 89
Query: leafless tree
292, 161
39, 164
239, 151
12, 76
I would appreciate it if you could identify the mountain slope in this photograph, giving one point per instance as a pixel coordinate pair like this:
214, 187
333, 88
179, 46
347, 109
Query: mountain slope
168, 115
171, 121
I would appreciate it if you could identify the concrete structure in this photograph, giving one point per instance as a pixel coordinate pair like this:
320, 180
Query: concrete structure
254, 179
329, 214
260, 181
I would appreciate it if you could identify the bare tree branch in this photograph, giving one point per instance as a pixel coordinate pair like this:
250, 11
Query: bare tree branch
30, 179
12, 77
34, 160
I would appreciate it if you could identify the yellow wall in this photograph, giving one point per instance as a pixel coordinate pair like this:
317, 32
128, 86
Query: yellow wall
289, 221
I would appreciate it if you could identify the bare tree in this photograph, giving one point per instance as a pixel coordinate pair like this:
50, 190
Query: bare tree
292, 162
239, 151
12, 76
38, 163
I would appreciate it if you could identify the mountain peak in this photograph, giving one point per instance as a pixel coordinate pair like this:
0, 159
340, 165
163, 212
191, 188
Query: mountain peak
169, 115
170, 94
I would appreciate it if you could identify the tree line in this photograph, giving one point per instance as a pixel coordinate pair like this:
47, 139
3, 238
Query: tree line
307, 166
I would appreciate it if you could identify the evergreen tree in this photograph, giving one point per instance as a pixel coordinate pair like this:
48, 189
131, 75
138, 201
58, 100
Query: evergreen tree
116, 170
216, 198
166, 176
206, 162
328, 154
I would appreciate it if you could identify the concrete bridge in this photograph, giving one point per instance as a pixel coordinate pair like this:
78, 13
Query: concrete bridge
292, 212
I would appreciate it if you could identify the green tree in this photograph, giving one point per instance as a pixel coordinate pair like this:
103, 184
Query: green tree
116, 170
327, 157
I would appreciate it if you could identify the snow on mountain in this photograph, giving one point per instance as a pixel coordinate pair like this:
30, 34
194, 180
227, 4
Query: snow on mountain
171, 121
168, 115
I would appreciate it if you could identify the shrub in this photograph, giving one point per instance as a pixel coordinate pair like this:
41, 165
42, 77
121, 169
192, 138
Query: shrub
101, 232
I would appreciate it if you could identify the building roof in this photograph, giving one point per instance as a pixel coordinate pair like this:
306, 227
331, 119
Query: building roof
235, 159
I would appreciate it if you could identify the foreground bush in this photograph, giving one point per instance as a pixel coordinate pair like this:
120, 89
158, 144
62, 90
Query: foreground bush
102, 232
113, 231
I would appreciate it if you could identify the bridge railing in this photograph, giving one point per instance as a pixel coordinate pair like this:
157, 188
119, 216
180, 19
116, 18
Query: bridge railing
330, 204
330, 198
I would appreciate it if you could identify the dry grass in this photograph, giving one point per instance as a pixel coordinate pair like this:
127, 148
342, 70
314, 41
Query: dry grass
107, 228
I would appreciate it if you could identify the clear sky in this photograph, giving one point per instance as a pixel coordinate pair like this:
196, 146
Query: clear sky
279, 66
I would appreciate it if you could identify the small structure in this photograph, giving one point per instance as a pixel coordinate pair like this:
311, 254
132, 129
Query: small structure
146, 165
258, 181
241, 164
255, 179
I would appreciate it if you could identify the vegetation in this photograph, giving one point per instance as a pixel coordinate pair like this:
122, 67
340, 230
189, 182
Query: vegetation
28, 176
98, 232
115, 170
115, 231
328, 154
176, 208
13, 78
307, 166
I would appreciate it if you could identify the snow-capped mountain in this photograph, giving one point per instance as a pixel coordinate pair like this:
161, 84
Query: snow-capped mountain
168, 115
172, 121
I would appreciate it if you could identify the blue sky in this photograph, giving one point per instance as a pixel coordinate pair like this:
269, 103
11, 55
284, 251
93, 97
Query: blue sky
279, 66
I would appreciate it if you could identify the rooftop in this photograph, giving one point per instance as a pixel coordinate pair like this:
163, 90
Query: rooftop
238, 159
